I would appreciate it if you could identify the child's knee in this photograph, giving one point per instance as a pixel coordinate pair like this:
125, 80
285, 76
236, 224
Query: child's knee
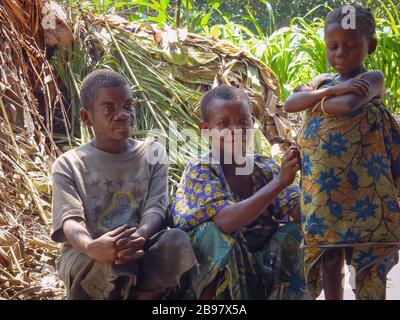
176, 240
177, 250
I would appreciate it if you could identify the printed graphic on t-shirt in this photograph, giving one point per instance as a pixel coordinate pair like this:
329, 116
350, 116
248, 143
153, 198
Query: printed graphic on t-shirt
121, 211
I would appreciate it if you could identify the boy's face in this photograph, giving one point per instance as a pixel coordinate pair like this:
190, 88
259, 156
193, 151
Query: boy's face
347, 49
232, 118
112, 113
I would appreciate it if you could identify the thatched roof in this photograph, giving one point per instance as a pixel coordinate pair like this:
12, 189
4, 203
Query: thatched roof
190, 61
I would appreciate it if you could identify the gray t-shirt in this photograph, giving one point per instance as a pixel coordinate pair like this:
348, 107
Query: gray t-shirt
108, 190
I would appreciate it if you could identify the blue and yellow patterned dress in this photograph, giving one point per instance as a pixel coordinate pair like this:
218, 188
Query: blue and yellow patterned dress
350, 186
262, 260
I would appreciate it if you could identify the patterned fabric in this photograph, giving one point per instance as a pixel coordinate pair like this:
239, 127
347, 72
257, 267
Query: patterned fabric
273, 272
204, 190
350, 188
262, 260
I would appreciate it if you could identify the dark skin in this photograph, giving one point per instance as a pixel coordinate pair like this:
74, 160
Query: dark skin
231, 115
111, 116
346, 52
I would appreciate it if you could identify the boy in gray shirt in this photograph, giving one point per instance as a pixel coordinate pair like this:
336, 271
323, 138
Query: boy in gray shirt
109, 201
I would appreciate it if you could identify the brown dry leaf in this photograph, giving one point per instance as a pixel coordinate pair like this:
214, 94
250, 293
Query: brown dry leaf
26, 79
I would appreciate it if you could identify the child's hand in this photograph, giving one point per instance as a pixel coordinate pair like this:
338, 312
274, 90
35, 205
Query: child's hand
129, 248
311, 86
290, 165
358, 86
104, 248
304, 87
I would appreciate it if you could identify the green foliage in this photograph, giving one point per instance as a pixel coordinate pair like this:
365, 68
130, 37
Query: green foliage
297, 53
292, 47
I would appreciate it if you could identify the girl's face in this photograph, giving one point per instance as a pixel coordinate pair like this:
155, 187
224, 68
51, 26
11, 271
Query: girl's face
347, 49
230, 119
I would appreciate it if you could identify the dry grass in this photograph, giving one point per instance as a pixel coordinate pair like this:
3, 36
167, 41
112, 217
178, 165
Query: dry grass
27, 151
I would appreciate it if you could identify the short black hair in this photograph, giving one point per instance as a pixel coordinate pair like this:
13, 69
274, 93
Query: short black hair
222, 93
102, 78
365, 21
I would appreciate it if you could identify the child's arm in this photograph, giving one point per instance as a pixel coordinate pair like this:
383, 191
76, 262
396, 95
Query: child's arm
305, 95
351, 101
300, 101
103, 248
236, 216
311, 86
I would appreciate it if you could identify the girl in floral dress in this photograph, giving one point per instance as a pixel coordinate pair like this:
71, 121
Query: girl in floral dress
350, 150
